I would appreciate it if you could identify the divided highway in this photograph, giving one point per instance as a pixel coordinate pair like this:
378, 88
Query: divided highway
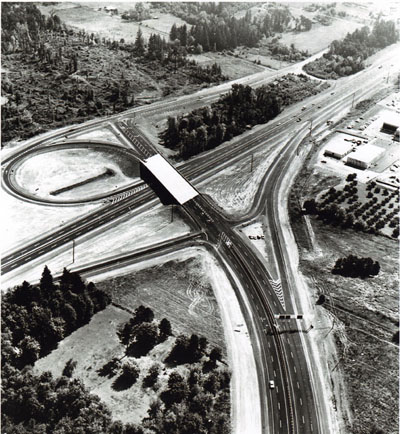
292, 406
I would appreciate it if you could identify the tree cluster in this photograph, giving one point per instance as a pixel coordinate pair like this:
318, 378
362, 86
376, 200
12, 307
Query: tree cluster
36, 318
371, 217
215, 28
43, 404
352, 266
139, 13
242, 108
193, 403
141, 333
347, 56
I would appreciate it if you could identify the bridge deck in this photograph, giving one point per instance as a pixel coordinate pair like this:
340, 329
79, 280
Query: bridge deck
172, 180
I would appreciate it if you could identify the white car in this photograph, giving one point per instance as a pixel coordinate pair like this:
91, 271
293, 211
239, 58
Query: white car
271, 384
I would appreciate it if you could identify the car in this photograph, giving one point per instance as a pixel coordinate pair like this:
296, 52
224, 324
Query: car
271, 384
323, 161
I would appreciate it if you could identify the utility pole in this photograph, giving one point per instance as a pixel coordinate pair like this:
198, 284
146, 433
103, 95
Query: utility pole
172, 213
311, 127
352, 102
73, 251
251, 163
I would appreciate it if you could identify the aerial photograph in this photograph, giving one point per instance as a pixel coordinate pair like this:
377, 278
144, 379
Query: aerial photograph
200, 217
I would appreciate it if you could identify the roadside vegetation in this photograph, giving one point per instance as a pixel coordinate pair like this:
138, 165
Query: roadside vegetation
240, 109
55, 75
348, 56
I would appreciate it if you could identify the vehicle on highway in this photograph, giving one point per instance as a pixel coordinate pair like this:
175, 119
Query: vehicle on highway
271, 384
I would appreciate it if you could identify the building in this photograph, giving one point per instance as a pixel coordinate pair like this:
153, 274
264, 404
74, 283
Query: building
364, 156
389, 128
338, 149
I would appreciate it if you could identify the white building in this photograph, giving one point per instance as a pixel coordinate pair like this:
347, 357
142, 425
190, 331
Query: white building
364, 156
338, 149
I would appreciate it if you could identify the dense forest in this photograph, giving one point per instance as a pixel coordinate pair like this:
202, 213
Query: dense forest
36, 317
347, 56
53, 75
33, 320
240, 109
215, 28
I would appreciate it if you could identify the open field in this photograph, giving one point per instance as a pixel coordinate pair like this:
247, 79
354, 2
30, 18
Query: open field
87, 16
233, 67
183, 294
319, 37
367, 319
65, 167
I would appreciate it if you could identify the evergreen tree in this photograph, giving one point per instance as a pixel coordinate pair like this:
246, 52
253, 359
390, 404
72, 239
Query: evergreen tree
139, 44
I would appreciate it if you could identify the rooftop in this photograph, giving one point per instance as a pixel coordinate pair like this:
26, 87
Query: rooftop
339, 147
172, 180
366, 153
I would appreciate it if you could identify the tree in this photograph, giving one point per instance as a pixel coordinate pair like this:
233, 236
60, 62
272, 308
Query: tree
165, 329
129, 376
176, 391
139, 44
69, 368
145, 337
30, 350
152, 376
46, 281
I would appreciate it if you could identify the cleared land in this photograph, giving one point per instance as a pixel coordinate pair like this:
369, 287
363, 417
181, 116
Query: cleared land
366, 313
183, 294
70, 166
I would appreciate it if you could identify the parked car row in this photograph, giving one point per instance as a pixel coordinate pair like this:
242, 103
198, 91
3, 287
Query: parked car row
256, 237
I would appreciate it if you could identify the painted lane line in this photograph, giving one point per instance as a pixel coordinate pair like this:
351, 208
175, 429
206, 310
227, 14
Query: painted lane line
301, 401
302, 418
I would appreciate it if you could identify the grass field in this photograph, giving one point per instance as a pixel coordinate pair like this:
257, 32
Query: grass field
87, 16
319, 37
367, 315
180, 291
231, 66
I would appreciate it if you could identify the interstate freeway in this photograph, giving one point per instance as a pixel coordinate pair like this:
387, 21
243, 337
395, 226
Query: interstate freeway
292, 408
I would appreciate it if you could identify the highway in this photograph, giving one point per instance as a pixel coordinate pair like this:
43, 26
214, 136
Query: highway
201, 167
292, 406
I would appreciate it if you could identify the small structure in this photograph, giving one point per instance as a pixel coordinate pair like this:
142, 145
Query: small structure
396, 135
338, 149
389, 128
364, 156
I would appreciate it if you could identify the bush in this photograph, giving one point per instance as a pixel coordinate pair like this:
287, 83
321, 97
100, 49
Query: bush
352, 266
